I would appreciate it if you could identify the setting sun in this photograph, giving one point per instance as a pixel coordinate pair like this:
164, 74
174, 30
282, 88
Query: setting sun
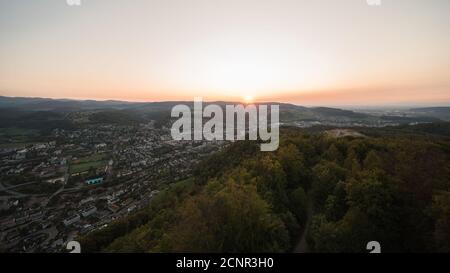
248, 99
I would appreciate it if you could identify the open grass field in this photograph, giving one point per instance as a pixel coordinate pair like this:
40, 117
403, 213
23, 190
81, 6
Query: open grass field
85, 163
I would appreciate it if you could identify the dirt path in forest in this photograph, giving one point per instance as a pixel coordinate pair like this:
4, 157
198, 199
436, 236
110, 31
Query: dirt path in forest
302, 245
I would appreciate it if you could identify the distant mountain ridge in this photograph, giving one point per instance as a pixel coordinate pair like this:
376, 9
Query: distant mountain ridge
48, 113
47, 104
68, 105
442, 112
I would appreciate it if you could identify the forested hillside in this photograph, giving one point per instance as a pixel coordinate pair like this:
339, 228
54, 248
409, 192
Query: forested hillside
389, 187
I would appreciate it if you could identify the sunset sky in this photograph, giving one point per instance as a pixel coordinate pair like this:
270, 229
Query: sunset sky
316, 52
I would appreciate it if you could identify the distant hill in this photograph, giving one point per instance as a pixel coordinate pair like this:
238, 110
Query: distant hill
326, 111
418, 118
59, 105
41, 120
114, 117
62, 105
65, 111
437, 112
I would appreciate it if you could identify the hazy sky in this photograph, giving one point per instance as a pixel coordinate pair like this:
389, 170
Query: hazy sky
316, 52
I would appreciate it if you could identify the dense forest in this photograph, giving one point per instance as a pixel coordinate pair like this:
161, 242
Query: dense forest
391, 186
